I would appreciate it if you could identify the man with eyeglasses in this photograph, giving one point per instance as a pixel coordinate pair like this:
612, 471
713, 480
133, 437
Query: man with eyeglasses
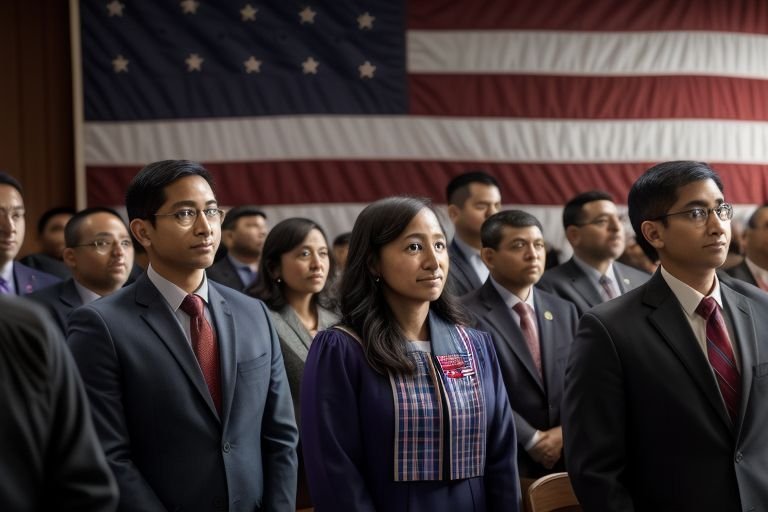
185, 376
16, 278
99, 255
754, 268
666, 389
592, 276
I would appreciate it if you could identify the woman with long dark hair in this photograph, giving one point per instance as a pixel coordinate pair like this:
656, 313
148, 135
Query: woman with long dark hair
403, 406
293, 281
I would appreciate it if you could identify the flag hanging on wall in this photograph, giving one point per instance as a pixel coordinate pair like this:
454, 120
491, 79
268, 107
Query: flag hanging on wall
318, 107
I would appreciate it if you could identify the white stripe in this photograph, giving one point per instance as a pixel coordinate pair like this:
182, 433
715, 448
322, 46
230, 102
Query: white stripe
426, 138
588, 53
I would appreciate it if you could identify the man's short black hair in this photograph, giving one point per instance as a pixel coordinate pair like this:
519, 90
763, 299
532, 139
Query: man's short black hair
51, 213
752, 222
342, 239
573, 211
72, 229
7, 179
238, 212
491, 231
457, 191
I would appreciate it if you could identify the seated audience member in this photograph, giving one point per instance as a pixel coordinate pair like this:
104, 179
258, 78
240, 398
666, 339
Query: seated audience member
16, 278
532, 331
51, 458
472, 198
99, 254
754, 268
635, 257
293, 281
403, 407
242, 232
340, 250
664, 405
50, 234
595, 231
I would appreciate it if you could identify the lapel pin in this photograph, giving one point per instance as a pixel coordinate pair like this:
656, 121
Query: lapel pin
626, 280
548, 315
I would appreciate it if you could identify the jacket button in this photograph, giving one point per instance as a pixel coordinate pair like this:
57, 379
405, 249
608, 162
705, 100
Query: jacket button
226, 447
739, 457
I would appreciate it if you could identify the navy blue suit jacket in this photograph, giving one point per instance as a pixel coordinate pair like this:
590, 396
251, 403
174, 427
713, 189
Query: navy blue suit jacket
224, 272
165, 442
59, 299
462, 277
535, 401
28, 280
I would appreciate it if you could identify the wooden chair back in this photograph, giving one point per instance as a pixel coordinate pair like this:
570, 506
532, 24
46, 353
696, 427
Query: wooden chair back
551, 493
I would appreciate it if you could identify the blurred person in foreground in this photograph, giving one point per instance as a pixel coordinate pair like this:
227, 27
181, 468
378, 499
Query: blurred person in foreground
403, 407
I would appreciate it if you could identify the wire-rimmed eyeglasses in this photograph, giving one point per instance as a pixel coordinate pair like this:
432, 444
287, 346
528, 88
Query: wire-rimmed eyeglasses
188, 216
724, 212
105, 246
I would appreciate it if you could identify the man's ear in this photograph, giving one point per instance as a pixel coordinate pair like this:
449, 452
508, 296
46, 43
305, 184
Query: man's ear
140, 231
69, 257
573, 234
652, 233
488, 254
453, 212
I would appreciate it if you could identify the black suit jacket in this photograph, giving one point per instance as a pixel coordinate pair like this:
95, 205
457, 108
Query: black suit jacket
568, 281
645, 427
164, 440
462, 278
45, 263
59, 299
741, 271
224, 272
535, 403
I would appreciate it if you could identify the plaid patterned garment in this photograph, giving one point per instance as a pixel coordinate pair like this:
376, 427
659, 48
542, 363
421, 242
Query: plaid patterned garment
440, 413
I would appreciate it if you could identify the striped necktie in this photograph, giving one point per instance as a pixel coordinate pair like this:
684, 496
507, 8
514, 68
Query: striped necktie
4, 288
205, 345
528, 326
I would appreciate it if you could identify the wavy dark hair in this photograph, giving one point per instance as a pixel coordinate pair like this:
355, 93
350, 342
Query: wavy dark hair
363, 306
282, 238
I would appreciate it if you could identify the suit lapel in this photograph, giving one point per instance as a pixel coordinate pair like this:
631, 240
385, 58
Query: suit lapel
162, 320
69, 296
583, 285
464, 266
740, 314
508, 332
546, 323
669, 319
226, 336
292, 330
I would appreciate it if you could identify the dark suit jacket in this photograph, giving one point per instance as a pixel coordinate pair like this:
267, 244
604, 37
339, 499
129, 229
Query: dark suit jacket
59, 299
45, 263
741, 271
536, 404
27, 280
568, 281
166, 444
644, 424
462, 278
50, 458
224, 272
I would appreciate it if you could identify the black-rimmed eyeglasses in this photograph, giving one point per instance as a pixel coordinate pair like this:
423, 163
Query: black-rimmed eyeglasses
188, 216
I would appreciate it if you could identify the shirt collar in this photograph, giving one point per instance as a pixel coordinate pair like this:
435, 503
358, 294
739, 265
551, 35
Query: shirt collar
6, 272
758, 272
86, 295
509, 298
173, 294
592, 272
688, 297
465, 248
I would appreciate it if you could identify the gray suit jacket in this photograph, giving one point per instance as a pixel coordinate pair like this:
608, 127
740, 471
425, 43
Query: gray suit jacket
294, 342
462, 278
165, 442
535, 402
741, 271
644, 424
568, 281
59, 299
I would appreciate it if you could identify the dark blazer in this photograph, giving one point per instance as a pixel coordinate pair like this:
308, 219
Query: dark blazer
462, 278
568, 281
644, 424
59, 299
224, 272
164, 440
741, 271
43, 262
51, 458
27, 280
536, 404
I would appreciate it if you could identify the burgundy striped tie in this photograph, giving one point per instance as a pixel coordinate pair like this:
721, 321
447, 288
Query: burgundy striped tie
204, 345
528, 327
721, 357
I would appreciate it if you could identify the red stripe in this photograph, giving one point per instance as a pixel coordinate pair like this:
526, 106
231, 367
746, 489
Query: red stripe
750, 16
566, 97
363, 182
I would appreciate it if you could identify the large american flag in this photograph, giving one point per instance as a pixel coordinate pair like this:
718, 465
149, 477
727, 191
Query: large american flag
318, 107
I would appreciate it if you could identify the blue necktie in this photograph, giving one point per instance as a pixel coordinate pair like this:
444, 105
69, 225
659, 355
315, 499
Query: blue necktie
4, 289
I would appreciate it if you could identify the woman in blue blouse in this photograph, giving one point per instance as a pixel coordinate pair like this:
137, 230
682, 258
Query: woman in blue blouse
403, 406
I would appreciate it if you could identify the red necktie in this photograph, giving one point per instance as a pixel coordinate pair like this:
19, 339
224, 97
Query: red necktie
605, 282
204, 345
529, 332
720, 355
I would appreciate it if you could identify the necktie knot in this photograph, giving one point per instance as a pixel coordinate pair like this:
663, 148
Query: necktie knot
192, 305
706, 307
606, 282
523, 309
